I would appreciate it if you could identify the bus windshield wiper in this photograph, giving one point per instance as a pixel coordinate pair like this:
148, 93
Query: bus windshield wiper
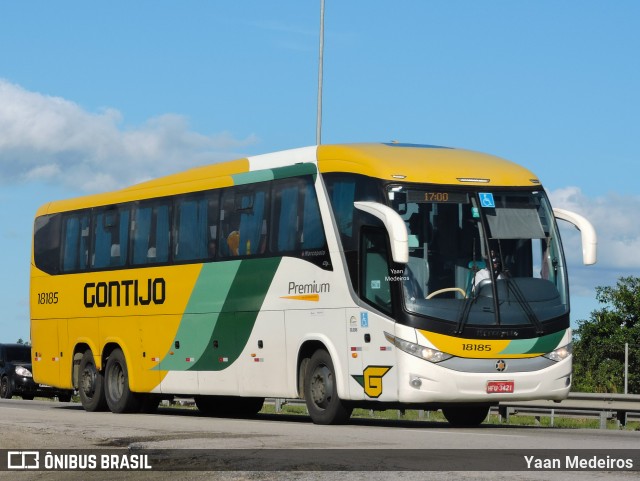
466, 307
513, 287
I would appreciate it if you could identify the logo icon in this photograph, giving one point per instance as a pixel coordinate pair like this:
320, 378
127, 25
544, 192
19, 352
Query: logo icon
371, 380
501, 365
23, 460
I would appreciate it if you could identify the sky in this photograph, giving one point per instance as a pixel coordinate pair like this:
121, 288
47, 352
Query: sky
100, 95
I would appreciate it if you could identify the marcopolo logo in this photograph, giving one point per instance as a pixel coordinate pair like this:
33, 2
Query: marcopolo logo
125, 293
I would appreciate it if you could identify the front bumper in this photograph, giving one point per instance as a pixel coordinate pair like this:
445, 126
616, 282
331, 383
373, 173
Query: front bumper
423, 382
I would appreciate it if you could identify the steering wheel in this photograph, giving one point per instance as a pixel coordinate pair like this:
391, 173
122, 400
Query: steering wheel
447, 289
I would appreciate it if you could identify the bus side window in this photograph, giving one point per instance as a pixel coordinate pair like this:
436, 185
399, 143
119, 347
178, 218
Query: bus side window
46, 243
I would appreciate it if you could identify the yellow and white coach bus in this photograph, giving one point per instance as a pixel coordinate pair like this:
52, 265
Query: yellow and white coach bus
364, 275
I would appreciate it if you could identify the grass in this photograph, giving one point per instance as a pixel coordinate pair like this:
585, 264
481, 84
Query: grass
493, 419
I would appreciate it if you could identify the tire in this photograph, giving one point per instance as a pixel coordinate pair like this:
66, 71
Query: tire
321, 392
247, 407
91, 384
466, 416
229, 406
6, 391
120, 398
64, 398
149, 403
207, 405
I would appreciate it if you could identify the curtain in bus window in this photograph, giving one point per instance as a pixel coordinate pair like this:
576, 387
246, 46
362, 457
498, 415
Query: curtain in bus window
312, 232
342, 200
120, 249
102, 245
287, 222
162, 233
76, 243
83, 254
515, 223
251, 222
192, 230
141, 236
71, 245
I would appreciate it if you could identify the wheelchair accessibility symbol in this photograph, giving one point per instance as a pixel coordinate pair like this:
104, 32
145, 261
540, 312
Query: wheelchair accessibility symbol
486, 200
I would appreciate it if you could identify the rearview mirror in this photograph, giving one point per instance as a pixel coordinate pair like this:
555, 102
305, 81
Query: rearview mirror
396, 228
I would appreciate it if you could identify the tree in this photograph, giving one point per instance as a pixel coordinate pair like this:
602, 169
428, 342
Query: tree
598, 343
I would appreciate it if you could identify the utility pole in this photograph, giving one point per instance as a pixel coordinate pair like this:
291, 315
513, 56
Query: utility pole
320, 62
626, 368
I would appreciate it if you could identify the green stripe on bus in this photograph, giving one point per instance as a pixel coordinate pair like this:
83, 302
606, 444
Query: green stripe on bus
295, 170
547, 343
274, 174
201, 314
220, 318
539, 345
252, 177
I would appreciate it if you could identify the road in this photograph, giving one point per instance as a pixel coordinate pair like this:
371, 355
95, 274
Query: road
51, 425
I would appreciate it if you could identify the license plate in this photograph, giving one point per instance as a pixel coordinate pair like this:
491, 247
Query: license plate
496, 387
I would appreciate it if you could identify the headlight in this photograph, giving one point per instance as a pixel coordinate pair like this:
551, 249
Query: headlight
426, 353
23, 371
560, 353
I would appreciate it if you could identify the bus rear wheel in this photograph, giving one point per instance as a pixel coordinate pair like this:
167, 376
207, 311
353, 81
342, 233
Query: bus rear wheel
120, 398
466, 416
91, 384
321, 391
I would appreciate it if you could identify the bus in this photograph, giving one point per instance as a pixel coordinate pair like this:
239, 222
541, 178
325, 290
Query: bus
378, 276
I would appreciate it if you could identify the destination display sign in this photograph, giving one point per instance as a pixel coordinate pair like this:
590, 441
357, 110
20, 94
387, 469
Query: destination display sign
419, 196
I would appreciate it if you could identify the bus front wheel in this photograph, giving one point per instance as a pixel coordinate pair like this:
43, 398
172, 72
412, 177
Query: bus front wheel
321, 391
465, 416
91, 384
120, 398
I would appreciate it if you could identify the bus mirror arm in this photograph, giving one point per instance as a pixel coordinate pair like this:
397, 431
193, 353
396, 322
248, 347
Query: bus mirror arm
587, 232
396, 228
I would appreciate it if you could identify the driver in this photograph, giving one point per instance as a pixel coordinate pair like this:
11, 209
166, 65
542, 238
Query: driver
483, 274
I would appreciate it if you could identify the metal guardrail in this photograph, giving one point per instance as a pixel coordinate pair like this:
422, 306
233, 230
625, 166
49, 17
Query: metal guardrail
604, 406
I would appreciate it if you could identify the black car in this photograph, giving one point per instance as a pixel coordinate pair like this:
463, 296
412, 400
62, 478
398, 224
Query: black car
16, 377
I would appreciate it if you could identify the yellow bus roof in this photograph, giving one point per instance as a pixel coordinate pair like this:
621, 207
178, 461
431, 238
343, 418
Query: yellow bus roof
391, 161
423, 163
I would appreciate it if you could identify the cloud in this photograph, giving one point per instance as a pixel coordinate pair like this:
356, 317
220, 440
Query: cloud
53, 140
615, 220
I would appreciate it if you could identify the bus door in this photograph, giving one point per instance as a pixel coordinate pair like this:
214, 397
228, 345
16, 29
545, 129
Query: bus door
371, 358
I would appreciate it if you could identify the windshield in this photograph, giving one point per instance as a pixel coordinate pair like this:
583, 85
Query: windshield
481, 258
